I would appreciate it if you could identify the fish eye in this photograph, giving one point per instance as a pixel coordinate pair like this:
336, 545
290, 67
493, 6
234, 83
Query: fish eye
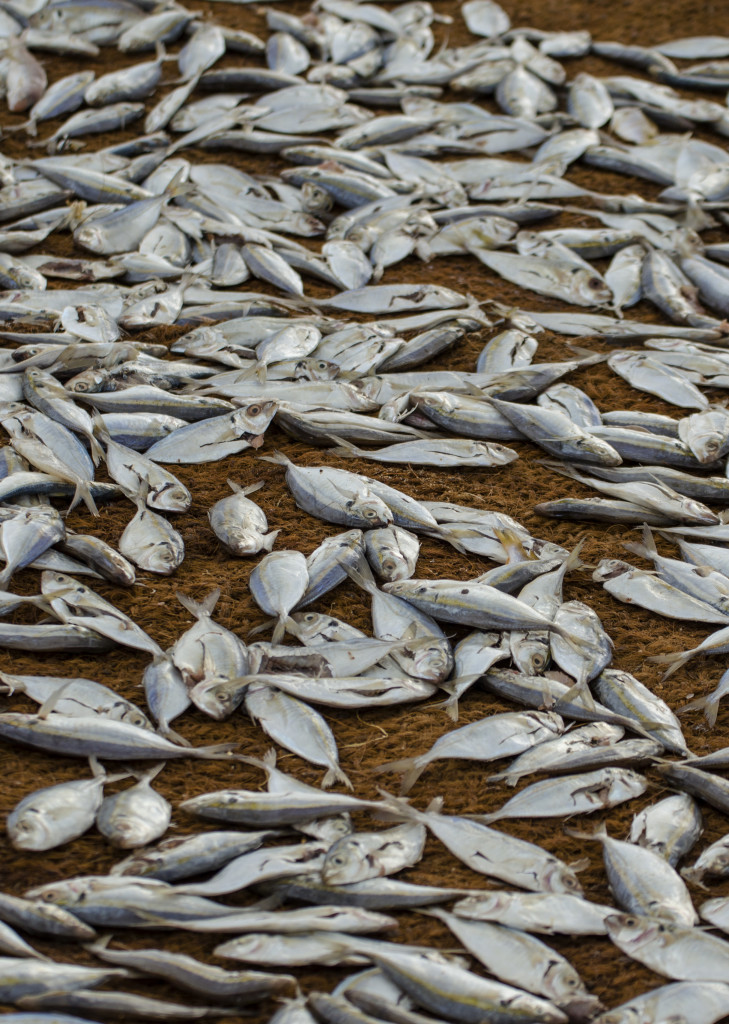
338, 860
595, 282
253, 410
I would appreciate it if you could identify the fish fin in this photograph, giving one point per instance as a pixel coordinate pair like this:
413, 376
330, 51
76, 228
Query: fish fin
152, 772
695, 876
411, 776
50, 702
674, 661
597, 835
346, 449
237, 489
362, 576
278, 458
97, 452
580, 689
263, 628
206, 607
100, 428
710, 708
279, 630
267, 543
397, 808
335, 774
216, 751
99, 944
83, 493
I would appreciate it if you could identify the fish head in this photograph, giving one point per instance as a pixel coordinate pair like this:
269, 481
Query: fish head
132, 716
31, 830
255, 417
559, 877
594, 449
698, 512
317, 369
578, 1004
591, 287
610, 569
369, 510
630, 931
216, 697
428, 659
90, 237
170, 497
129, 832
89, 382
345, 863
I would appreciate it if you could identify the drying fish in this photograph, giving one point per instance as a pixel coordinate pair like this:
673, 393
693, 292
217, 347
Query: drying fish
150, 542
135, 816
297, 727
50, 817
675, 951
278, 583
517, 958
574, 794
670, 828
493, 853
370, 855
643, 883
455, 992
392, 552
207, 649
486, 740
239, 524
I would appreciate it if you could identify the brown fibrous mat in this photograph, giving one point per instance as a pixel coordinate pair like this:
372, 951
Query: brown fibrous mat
367, 739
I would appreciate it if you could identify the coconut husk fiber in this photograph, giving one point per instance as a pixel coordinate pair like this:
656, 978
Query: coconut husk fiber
367, 739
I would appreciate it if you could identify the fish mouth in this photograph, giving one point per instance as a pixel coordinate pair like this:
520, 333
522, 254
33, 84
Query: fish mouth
254, 440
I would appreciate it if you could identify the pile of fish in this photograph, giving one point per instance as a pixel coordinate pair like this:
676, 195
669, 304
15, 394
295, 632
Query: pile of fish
139, 352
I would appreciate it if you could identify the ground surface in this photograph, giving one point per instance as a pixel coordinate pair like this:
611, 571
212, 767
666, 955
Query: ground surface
368, 739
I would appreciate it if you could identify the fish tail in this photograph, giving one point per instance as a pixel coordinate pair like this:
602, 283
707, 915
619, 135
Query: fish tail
362, 576
269, 540
279, 630
397, 808
346, 448
709, 705
97, 452
83, 491
443, 534
206, 607
335, 774
695, 876
674, 661
579, 690
214, 752
246, 490
278, 458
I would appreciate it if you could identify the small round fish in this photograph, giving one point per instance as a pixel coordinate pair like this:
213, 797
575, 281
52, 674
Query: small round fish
136, 816
278, 583
392, 552
239, 524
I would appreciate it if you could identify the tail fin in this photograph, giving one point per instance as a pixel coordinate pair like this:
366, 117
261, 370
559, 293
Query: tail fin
245, 491
346, 449
335, 774
675, 661
278, 458
205, 608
